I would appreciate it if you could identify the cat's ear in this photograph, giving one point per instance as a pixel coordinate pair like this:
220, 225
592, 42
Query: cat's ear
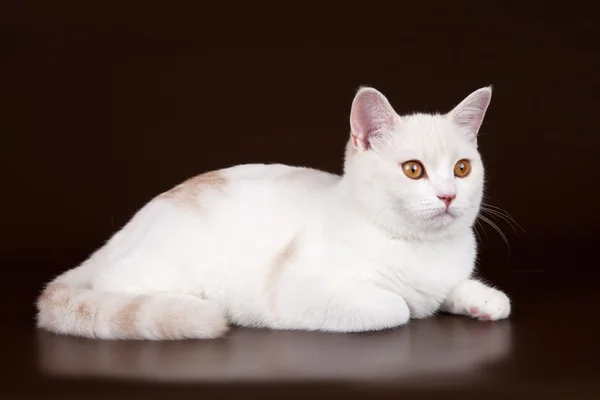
470, 112
371, 115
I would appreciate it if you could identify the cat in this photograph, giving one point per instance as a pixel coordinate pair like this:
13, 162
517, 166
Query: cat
293, 248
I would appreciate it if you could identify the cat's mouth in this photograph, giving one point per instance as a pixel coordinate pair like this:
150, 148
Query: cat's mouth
446, 214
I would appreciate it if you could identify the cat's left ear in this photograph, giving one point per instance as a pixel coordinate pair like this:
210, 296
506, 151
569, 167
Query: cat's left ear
470, 112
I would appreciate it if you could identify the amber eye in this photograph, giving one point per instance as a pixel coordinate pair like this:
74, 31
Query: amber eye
462, 169
413, 169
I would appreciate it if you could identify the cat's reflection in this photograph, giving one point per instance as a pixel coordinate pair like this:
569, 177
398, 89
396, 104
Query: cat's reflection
448, 346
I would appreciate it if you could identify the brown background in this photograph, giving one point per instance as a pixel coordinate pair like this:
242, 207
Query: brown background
104, 107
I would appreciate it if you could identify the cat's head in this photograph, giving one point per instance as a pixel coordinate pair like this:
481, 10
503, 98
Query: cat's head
417, 174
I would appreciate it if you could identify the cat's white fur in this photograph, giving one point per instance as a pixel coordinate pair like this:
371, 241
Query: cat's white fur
296, 248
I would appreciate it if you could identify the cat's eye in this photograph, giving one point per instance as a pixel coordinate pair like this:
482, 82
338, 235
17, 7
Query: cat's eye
413, 169
462, 169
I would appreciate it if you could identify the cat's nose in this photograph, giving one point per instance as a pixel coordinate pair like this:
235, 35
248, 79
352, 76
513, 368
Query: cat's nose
447, 199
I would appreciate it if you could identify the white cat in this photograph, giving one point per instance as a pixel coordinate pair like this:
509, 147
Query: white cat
296, 248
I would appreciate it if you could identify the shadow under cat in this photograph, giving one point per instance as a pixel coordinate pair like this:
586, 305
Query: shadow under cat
453, 350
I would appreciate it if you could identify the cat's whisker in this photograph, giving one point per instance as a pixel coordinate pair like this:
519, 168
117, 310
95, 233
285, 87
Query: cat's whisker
492, 215
403, 211
496, 228
500, 213
478, 236
481, 227
503, 211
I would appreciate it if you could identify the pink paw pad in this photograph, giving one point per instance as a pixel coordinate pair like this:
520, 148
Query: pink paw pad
474, 310
487, 317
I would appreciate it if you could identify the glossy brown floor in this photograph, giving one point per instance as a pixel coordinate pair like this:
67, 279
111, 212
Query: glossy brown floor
547, 347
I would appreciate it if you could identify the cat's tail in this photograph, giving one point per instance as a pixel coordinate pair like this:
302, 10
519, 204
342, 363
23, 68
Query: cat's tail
71, 308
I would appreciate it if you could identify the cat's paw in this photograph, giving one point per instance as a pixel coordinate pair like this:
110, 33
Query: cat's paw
490, 306
474, 299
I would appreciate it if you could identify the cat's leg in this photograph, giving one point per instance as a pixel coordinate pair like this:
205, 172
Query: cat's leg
340, 305
477, 300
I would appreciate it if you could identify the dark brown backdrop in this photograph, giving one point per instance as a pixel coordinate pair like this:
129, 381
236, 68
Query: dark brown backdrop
104, 107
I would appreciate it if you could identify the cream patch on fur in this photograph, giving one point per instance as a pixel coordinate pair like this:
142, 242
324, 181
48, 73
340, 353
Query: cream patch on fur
186, 194
282, 258
86, 317
167, 326
85, 312
126, 319
55, 294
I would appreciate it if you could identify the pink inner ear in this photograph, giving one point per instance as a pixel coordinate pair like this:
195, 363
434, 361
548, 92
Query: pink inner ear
470, 112
371, 114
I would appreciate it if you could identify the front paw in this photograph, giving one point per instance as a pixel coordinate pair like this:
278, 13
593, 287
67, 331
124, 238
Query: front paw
474, 299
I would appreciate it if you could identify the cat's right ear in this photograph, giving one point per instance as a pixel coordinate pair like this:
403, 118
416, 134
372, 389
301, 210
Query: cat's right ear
370, 117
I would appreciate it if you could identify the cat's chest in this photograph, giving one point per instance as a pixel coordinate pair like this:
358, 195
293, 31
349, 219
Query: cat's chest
423, 273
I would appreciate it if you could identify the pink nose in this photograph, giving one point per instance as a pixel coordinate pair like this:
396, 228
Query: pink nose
447, 199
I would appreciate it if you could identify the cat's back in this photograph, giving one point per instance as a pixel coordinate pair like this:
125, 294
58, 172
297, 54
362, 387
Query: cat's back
250, 200
257, 184
277, 177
